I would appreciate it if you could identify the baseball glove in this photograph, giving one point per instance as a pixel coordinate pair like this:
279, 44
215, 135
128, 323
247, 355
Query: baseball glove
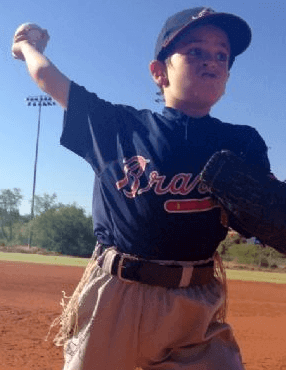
254, 201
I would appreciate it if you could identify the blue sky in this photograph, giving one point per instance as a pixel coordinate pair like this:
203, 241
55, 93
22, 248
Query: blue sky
106, 46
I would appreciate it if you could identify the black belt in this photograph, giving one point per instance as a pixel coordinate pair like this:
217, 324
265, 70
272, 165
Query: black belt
131, 269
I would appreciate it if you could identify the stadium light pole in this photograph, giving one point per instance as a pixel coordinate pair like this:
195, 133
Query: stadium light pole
37, 101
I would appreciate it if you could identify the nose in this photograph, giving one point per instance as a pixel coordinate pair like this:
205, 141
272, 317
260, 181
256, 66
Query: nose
209, 60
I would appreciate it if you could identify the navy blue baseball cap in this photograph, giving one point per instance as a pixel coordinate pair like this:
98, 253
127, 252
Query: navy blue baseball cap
238, 31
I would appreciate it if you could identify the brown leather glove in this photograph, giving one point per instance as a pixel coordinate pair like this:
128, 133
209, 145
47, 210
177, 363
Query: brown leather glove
255, 202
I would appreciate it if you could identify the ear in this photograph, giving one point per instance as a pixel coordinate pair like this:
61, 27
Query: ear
227, 78
159, 73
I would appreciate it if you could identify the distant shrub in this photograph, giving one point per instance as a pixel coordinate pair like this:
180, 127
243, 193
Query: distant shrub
65, 230
235, 247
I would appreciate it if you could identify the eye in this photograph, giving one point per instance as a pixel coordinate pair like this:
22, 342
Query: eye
195, 52
222, 57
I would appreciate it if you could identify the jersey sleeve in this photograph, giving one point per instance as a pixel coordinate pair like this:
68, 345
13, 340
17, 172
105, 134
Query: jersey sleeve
256, 153
91, 127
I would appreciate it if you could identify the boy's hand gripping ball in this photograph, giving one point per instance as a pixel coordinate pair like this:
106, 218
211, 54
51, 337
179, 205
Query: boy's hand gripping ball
32, 33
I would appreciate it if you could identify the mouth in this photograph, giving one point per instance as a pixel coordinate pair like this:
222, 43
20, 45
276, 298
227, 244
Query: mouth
209, 75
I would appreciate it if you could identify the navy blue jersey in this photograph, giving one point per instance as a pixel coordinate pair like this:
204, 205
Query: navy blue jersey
147, 199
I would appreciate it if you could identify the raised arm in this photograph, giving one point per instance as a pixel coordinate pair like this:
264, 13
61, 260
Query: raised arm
41, 69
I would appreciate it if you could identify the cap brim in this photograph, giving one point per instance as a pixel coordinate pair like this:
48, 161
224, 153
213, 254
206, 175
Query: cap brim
238, 31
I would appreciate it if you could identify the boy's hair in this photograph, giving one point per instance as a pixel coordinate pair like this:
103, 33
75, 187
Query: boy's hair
176, 27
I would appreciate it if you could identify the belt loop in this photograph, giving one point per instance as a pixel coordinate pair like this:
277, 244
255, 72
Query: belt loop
105, 261
187, 273
98, 250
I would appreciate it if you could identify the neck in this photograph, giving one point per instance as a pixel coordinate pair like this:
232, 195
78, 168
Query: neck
194, 111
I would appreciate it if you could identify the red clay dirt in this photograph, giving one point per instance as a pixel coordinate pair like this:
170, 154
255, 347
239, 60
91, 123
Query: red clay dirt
30, 296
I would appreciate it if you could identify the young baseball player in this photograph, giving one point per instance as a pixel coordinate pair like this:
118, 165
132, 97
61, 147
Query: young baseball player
150, 296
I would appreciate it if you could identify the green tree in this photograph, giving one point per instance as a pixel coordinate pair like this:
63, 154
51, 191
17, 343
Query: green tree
66, 230
41, 205
45, 202
21, 232
10, 201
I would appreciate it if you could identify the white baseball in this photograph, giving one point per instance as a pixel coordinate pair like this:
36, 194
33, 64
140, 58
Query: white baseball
34, 34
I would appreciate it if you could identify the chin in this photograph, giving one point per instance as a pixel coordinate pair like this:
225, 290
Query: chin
204, 100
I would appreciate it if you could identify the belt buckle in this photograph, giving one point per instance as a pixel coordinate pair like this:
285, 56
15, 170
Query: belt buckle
120, 267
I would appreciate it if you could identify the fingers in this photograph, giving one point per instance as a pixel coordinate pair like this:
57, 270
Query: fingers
21, 37
21, 32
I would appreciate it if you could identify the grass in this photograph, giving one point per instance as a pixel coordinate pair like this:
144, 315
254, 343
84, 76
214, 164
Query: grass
49, 260
257, 276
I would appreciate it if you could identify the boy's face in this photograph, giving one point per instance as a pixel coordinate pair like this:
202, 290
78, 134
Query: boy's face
195, 75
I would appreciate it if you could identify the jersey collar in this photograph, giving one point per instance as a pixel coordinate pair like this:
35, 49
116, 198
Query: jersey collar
173, 114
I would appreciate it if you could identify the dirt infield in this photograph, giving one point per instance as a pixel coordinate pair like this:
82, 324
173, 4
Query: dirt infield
29, 301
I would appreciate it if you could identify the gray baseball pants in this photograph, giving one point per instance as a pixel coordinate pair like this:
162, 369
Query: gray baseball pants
127, 325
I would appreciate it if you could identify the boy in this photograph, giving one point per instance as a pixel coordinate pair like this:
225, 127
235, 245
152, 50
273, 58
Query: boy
150, 297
